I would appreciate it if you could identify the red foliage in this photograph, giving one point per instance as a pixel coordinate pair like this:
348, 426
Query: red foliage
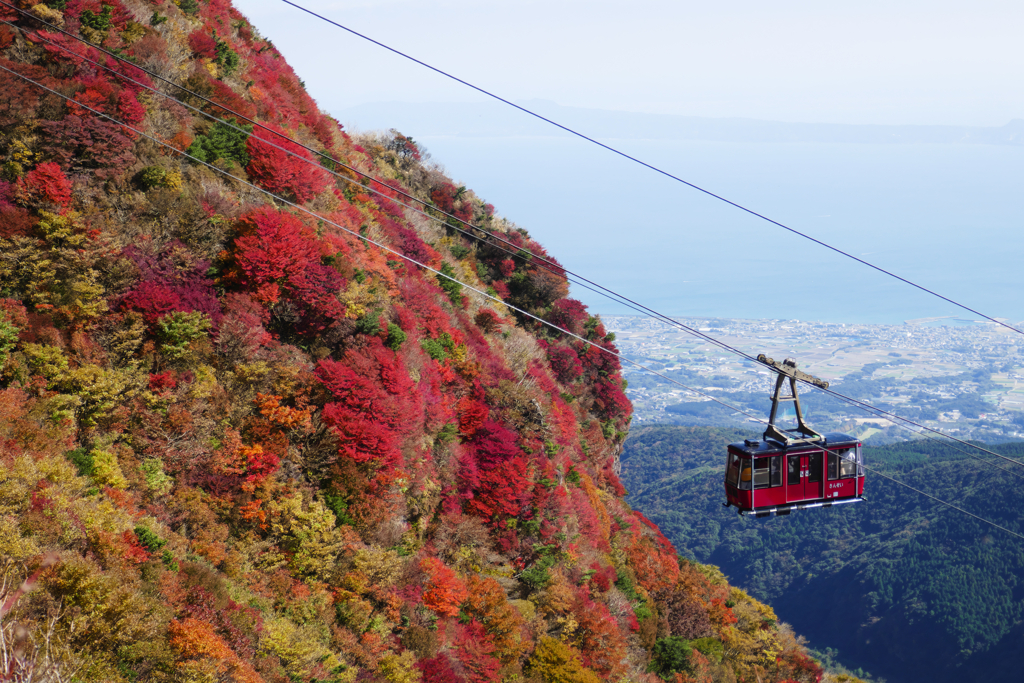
119, 15
129, 109
294, 176
475, 650
494, 443
162, 382
153, 300
602, 644
45, 185
472, 414
610, 400
181, 275
439, 670
793, 666
6, 37
375, 403
87, 144
502, 491
569, 314
202, 44
241, 333
229, 100
134, 552
360, 439
18, 97
445, 592
16, 221
488, 321
277, 257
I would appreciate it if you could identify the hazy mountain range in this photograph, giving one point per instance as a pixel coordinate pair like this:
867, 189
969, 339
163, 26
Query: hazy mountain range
493, 119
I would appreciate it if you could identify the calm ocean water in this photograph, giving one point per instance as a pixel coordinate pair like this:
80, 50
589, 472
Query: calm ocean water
950, 217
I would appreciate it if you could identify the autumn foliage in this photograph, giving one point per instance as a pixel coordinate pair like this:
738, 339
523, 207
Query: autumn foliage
241, 442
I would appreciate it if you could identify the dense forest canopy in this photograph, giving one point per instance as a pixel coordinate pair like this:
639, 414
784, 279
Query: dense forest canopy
898, 584
255, 427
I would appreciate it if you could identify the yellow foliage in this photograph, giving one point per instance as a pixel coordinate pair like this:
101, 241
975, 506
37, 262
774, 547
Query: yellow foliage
12, 544
62, 230
106, 470
308, 531
753, 643
298, 648
248, 373
111, 610
556, 662
16, 485
173, 180
382, 567
20, 153
93, 392
399, 668
48, 361
49, 15
205, 382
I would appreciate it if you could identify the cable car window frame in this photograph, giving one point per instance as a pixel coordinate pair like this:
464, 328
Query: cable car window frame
732, 475
769, 471
840, 466
815, 471
745, 476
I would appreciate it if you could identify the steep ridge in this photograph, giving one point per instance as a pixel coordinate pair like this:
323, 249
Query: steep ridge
240, 442
900, 586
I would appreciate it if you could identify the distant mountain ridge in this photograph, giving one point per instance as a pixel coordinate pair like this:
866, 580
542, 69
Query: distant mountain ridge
487, 119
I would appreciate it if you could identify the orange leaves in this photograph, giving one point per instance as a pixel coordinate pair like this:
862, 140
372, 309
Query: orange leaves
284, 417
487, 602
445, 592
204, 651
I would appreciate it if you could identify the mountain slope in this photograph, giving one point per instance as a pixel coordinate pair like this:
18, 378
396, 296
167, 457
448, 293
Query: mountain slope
251, 428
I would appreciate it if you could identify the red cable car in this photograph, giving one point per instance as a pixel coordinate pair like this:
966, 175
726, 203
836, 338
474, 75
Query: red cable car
796, 468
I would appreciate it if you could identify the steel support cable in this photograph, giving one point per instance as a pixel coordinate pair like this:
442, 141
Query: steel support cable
439, 273
549, 265
652, 167
515, 251
893, 417
370, 241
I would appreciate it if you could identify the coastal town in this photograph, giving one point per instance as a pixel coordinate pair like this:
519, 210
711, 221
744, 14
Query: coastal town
962, 377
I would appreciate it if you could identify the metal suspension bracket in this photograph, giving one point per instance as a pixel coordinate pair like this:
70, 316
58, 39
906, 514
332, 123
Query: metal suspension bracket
787, 370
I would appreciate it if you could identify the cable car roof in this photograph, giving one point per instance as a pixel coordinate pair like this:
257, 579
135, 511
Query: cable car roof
756, 448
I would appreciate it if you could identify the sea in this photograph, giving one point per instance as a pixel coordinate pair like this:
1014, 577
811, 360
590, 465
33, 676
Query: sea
948, 217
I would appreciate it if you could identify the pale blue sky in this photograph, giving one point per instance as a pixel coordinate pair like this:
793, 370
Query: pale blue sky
894, 62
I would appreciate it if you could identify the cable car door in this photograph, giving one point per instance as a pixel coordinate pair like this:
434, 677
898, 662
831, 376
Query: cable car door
804, 476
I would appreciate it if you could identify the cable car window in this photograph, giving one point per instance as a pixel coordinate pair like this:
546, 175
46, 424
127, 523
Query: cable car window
814, 468
777, 470
733, 473
768, 472
745, 475
793, 476
847, 463
833, 466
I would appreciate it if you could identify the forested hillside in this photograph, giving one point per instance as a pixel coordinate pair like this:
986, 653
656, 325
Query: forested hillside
901, 586
253, 429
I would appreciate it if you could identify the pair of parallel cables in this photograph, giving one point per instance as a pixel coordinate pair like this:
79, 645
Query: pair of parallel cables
424, 266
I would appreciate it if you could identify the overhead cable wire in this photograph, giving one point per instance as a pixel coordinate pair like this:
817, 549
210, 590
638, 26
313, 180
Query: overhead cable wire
436, 272
652, 167
547, 263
